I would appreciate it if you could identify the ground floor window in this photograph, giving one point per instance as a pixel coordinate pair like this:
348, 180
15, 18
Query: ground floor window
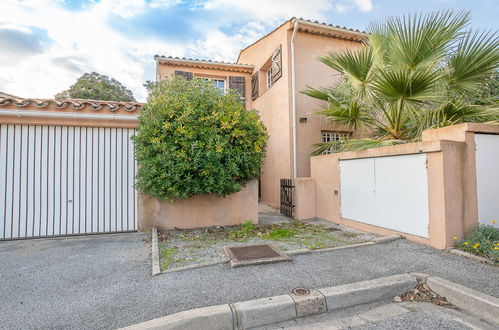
328, 136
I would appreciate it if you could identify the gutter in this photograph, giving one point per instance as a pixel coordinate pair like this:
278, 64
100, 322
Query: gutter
293, 95
70, 115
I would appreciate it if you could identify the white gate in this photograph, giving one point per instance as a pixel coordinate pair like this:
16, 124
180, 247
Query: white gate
57, 180
388, 192
487, 178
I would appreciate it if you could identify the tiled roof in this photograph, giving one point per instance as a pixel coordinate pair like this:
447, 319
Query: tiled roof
76, 104
331, 25
199, 60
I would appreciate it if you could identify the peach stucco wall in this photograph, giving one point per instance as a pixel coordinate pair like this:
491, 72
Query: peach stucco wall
274, 107
451, 183
311, 72
199, 211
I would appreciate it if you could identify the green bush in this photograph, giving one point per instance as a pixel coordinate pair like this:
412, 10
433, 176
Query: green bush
483, 240
191, 139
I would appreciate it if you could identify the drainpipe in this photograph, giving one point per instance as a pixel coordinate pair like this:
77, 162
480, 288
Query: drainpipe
70, 115
293, 95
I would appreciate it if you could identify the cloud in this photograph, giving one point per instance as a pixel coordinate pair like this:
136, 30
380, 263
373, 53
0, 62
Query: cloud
64, 39
17, 43
363, 5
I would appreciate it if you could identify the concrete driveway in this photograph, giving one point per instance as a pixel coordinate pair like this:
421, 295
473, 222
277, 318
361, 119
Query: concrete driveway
104, 281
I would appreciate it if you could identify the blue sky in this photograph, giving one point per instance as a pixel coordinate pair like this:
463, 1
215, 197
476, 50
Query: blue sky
46, 44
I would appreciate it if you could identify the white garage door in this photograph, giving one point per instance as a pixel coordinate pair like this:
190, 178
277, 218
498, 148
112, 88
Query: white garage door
388, 192
57, 181
487, 178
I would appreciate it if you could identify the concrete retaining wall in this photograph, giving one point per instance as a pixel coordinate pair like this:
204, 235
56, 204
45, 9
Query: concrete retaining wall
199, 211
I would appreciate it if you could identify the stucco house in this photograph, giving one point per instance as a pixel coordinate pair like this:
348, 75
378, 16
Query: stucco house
269, 74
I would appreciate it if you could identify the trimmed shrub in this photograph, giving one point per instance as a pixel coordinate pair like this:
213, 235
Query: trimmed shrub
191, 139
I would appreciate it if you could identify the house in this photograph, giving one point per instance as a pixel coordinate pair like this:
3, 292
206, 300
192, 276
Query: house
269, 74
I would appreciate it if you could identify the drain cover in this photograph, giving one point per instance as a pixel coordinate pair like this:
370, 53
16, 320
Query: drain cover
301, 292
254, 254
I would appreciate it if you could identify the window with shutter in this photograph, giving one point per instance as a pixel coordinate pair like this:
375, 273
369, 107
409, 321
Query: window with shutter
276, 64
185, 74
254, 86
239, 84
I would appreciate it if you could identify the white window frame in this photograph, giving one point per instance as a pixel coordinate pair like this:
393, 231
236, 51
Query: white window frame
217, 80
328, 136
268, 74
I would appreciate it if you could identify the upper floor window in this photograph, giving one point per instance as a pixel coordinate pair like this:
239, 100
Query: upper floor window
328, 136
218, 83
269, 77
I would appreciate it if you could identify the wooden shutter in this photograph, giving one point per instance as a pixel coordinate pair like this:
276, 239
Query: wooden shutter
239, 84
254, 86
185, 74
276, 64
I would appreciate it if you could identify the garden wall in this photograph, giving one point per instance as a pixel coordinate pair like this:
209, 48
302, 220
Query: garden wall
205, 210
451, 181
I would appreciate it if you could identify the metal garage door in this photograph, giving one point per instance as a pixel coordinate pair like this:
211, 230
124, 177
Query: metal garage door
58, 181
487, 178
388, 192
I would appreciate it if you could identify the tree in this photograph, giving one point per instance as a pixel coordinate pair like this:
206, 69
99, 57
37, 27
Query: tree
413, 73
94, 86
191, 139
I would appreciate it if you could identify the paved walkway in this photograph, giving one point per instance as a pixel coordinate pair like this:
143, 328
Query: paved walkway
104, 281
383, 315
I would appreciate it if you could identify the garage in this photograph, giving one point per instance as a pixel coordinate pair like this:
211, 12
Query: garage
66, 180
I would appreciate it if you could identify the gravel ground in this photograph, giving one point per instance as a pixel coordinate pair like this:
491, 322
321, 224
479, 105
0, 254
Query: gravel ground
179, 248
105, 282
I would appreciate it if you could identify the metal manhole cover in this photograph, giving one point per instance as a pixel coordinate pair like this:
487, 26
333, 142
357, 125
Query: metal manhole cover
301, 292
254, 254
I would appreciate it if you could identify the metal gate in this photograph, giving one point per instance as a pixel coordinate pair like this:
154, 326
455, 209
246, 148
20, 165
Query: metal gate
287, 202
57, 180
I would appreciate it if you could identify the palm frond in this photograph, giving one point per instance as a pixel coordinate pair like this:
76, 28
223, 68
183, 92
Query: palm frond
368, 143
354, 64
330, 146
476, 58
423, 39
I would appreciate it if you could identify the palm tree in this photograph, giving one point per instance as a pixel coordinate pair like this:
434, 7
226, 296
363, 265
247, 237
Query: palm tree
413, 73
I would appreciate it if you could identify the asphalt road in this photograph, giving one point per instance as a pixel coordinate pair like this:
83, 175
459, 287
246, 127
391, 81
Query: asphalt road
104, 281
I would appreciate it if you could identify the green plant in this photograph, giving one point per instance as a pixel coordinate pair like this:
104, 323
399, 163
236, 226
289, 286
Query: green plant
483, 240
413, 73
279, 233
191, 139
166, 255
244, 231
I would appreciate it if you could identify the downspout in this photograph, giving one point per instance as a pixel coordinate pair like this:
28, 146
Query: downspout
293, 97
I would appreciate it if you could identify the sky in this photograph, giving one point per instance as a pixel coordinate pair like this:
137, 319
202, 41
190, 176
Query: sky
46, 45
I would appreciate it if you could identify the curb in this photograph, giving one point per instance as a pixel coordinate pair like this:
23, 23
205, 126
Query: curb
155, 253
307, 251
478, 303
266, 311
472, 257
386, 239
201, 265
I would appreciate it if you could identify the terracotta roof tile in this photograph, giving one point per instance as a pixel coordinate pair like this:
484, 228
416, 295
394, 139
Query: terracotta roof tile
76, 104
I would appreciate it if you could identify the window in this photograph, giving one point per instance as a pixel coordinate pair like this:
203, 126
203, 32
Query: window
328, 136
269, 77
218, 83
